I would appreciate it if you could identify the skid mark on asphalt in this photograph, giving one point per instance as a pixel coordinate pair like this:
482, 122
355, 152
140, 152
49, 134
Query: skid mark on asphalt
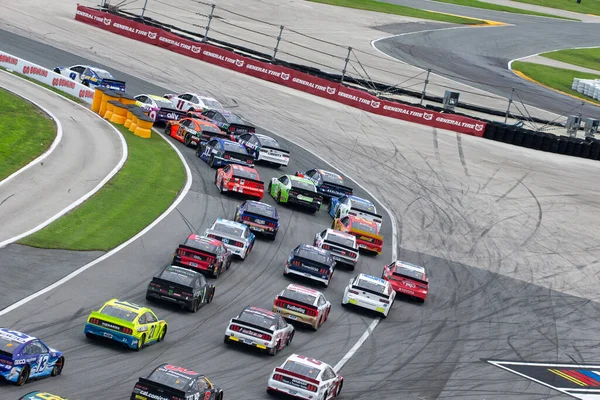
436, 146
461, 153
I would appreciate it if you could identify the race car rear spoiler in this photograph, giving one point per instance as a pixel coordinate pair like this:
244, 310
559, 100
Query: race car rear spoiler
184, 247
160, 389
112, 84
369, 291
346, 189
306, 192
248, 179
311, 262
297, 375
296, 302
276, 149
341, 245
249, 325
239, 127
411, 278
170, 113
176, 286
365, 212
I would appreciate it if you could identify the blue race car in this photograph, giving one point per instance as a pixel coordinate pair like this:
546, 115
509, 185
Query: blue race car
91, 77
310, 262
220, 152
329, 184
24, 357
37, 395
260, 217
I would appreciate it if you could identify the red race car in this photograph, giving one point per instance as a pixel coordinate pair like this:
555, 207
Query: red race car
203, 254
407, 279
240, 179
192, 131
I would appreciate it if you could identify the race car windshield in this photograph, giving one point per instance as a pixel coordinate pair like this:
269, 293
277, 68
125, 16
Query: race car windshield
313, 256
168, 379
228, 229
361, 226
233, 119
332, 178
8, 346
410, 273
342, 240
119, 313
177, 275
262, 320
301, 369
370, 286
103, 74
210, 129
262, 210
269, 141
363, 206
212, 103
299, 296
235, 148
201, 245
163, 103
242, 173
303, 185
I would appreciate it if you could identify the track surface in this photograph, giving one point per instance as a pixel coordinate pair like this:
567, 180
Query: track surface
482, 63
89, 151
520, 216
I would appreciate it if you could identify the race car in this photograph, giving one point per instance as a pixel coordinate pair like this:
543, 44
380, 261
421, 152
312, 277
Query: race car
91, 76
329, 184
158, 108
342, 246
370, 292
24, 357
239, 179
37, 395
126, 323
408, 279
234, 235
260, 328
355, 206
366, 232
170, 382
191, 131
193, 102
260, 217
295, 190
203, 254
310, 262
226, 120
303, 305
305, 378
181, 286
265, 148
220, 152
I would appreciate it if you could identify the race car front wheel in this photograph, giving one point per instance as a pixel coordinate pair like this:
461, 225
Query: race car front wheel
163, 334
58, 366
187, 140
23, 376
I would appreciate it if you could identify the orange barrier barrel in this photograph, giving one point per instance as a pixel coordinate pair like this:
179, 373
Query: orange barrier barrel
106, 96
97, 100
126, 98
129, 108
119, 112
144, 125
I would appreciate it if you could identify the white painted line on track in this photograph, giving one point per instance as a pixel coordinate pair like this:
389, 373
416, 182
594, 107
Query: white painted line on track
79, 271
549, 51
356, 346
57, 139
86, 196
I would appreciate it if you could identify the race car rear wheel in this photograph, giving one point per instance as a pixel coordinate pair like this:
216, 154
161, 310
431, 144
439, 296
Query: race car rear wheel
340, 388
278, 199
216, 273
168, 129
194, 307
211, 296
274, 350
58, 366
289, 341
23, 376
211, 162
325, 396
141, 342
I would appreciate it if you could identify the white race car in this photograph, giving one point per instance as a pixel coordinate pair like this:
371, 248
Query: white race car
260, 328
91, 76
193, 102
235, 236
265, 148
370, 292
305, 378
355, 206
342, 246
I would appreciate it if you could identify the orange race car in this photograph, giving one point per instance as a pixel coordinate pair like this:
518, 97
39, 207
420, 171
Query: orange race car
240, 179
192, 131
366, 232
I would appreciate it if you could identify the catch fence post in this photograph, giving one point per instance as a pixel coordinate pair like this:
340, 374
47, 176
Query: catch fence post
277, 44
425, 87
143, 8
510, 100
210, 17
346, 64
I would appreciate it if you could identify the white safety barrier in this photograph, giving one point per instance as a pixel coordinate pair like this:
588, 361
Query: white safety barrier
44, 75
587, 87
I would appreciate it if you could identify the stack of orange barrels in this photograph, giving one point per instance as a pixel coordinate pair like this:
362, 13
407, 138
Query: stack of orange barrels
120, 108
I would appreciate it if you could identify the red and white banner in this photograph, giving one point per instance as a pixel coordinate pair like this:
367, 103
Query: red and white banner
50, 78
277, 74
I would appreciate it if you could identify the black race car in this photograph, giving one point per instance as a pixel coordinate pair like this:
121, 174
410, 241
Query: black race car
226, 121
329, 184
182, 286
170, 382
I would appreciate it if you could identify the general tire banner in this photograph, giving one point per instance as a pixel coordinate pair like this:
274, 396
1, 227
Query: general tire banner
277, 74
50, 78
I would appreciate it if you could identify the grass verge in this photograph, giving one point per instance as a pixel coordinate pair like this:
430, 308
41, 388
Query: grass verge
388, 8
144, 188
555, 78
498, 7
25, 132
587, 58
585, 7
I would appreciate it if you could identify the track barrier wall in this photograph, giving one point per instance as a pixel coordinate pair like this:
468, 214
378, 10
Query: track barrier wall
277, 74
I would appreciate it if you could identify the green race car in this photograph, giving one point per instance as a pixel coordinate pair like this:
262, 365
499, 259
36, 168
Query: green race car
126, 323
295, 190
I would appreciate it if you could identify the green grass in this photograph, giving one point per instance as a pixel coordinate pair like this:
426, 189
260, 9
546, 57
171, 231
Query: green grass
586, 6
372, 5
498, 7
556, 78
144, 188
587, 58
25, 133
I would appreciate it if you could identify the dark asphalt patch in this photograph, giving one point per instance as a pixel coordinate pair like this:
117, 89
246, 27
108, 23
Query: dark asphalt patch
408, 27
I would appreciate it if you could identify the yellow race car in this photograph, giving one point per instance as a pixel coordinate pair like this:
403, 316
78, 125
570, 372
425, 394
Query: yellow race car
126, 323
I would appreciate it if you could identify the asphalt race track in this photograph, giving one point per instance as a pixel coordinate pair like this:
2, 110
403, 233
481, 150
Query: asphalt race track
482, 63
435, 350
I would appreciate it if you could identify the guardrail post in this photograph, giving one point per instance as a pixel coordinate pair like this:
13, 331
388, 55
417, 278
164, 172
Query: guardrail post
143, 8
277, 44
425, 87
512, 92
210, 17
346, 64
